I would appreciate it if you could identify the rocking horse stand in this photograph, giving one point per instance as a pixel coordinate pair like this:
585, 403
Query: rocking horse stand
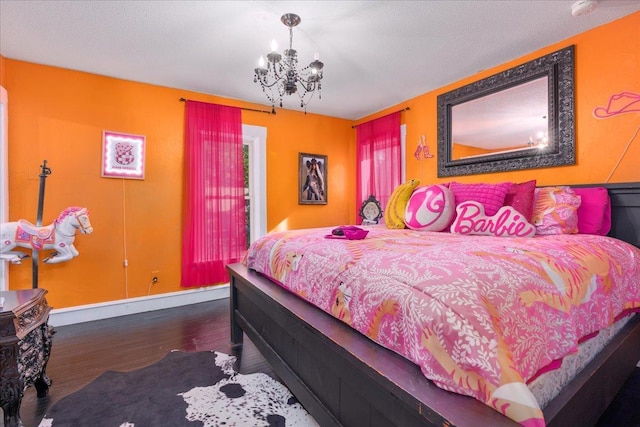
44, 173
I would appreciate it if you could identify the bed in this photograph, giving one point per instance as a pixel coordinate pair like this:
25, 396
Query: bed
344, 378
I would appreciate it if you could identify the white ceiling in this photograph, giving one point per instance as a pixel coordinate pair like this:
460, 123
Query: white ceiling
376, 53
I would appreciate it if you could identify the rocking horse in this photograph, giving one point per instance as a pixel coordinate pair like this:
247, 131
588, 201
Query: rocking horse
58, 236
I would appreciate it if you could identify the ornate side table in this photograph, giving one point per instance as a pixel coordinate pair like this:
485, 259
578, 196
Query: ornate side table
25, 346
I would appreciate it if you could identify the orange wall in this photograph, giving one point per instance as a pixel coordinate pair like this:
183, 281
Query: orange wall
607, 62
59, 115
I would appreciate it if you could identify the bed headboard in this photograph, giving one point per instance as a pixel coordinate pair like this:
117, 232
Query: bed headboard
625, 210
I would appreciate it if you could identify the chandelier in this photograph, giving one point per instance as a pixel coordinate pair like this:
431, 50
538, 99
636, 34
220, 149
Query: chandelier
281, 75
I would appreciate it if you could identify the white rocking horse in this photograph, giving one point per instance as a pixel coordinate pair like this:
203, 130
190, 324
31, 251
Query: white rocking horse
59, 235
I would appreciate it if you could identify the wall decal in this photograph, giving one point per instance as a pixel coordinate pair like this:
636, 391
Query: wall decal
422, 150
619, 103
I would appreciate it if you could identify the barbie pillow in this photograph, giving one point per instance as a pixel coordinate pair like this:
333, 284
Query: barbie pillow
490, 196
521, 197
507, 222
555, 210
594, 213
430, 208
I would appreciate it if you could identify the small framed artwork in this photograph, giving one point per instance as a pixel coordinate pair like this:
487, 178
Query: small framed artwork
312, 181
122, 155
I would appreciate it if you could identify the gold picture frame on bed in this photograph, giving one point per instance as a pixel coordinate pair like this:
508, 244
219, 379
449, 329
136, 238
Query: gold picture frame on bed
312, 179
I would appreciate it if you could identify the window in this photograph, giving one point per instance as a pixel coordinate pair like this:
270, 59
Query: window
255, 178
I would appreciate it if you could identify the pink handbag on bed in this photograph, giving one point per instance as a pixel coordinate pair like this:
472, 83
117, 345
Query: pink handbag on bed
349, 232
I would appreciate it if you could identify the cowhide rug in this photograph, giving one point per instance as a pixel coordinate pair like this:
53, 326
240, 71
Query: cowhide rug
182, 389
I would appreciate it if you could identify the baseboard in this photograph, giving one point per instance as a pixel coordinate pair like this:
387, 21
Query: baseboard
90, 312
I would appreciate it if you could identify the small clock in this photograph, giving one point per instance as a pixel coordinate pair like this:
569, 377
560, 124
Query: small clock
370, 211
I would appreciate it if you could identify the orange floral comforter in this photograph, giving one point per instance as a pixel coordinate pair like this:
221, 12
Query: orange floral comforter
479, 314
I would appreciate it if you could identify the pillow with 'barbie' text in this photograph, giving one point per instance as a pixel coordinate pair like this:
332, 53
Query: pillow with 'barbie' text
507, 222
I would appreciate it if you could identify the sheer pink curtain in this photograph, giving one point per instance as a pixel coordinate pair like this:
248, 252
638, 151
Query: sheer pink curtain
213, 233
378, 159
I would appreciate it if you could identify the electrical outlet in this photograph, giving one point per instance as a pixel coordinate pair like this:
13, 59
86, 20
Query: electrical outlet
155, 276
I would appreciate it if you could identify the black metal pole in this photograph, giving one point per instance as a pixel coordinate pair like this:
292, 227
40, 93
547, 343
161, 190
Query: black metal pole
44, 173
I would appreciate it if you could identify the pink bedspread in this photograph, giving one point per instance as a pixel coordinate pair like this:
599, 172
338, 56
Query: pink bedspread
480, 315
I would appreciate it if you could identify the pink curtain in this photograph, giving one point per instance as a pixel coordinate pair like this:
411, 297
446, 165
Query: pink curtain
378, 160
213, 233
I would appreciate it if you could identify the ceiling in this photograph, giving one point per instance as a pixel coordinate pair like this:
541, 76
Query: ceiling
376, 53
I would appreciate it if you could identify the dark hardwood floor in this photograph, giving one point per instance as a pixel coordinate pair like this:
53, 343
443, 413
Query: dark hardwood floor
83, 351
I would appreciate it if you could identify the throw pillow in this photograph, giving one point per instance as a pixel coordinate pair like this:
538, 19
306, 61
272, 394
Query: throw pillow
397, 204
507, 222
490, 196
430, 208
594, 213
521, 197
556, 210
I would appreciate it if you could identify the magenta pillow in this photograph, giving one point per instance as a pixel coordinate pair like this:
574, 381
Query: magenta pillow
594, 213
521, 197
430, 208
555, 210
490, 196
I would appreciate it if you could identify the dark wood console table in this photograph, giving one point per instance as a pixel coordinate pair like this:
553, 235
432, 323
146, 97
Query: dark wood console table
25, 345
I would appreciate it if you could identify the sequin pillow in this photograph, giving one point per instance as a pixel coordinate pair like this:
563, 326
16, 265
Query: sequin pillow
490, 196
555, 210
521, 196
430, 208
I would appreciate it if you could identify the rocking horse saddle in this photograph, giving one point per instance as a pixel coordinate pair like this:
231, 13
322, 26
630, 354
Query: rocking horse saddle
42, 232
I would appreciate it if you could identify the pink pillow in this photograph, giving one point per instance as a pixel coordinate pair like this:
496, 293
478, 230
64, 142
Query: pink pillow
521, 197
507, 222
555, 210
594, 213
490, 196
430, 208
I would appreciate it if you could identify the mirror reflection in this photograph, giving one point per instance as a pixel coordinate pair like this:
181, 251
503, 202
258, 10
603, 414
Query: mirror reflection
510, 120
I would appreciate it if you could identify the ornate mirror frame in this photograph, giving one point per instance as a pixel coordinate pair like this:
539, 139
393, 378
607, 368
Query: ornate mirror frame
558, 67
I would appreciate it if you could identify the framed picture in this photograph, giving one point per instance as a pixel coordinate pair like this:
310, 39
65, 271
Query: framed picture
122, 155
312, 179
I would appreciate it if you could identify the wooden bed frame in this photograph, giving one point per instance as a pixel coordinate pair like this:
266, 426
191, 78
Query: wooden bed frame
343, 378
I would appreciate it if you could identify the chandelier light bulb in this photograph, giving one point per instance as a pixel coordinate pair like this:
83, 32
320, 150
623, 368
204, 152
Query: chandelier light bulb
274, 45
261, 62
316, 56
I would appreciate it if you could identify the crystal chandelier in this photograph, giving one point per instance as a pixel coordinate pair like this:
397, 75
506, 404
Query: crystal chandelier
281, 75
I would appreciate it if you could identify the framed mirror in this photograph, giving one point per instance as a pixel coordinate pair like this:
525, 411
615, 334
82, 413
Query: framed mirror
521, 118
